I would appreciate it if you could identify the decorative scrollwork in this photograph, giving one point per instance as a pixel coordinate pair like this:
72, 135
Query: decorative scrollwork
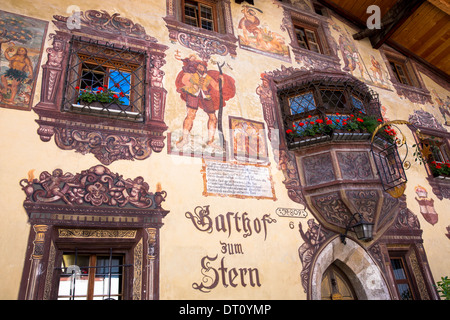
102, 20
97, 186
204, 46
106, 147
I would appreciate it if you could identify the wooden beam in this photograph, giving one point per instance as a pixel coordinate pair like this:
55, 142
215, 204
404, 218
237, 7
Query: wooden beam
393, 20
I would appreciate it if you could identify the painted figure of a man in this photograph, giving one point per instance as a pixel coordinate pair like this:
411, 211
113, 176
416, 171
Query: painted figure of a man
199, 88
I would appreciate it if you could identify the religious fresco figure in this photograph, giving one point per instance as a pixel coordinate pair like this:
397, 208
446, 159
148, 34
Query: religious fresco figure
256, 36
199, 88
23, 38
376, 69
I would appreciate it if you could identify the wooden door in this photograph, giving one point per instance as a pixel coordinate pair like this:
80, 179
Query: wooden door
336, 286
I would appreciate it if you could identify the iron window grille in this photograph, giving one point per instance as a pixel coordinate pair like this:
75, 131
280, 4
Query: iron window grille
389, 166
91, 276
105, 80
325, 99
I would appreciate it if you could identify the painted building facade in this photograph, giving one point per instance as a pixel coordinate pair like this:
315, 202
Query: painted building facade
216, 149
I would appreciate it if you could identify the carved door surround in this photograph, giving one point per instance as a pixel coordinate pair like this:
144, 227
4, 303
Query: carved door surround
108, 139
334, 179
91, 211
405, 237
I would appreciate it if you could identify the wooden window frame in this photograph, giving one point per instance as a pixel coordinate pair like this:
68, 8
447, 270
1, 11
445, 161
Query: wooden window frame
198, 5
415, 90
402, 255
92, 270
395, 65
305, 29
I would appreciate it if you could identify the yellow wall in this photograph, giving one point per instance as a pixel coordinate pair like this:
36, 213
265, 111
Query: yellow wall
182, 245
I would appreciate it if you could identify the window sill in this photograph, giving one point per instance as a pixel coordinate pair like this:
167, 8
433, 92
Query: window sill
315, 60
106, 138
412, 93
120, 114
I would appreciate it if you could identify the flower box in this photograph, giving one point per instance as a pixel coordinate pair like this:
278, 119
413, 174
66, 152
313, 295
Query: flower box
109, 109
309, 140
345, 136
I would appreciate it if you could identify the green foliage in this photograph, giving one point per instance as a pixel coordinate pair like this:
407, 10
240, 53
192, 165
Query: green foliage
99, 94
443, 287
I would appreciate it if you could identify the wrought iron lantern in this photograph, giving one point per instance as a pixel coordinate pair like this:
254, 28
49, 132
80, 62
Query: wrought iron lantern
362, 228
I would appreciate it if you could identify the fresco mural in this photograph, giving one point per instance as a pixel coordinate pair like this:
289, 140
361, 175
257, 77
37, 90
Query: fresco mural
255, 35
443, 105
248, 140
360, 63
201, 87
21, 41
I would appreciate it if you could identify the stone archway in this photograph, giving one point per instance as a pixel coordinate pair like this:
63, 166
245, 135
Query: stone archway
358, 266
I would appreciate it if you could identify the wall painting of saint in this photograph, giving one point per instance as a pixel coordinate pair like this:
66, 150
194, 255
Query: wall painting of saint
204, 91
257, 37
21, 43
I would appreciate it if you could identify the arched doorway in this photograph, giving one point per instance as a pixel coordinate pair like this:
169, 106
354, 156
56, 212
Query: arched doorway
361, 271
335, 285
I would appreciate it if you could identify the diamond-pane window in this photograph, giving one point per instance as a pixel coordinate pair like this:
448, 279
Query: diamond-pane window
105, 80
302, 103
358, 104
328, 103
